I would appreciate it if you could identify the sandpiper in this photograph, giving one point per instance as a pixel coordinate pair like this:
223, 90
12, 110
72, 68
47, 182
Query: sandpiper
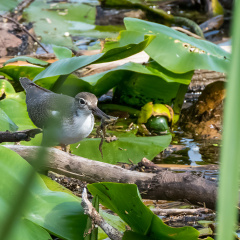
64, 119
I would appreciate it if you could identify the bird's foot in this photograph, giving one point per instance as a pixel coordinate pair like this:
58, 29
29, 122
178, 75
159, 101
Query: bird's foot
65, 148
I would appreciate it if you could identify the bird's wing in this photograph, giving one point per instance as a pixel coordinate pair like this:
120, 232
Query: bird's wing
48, 109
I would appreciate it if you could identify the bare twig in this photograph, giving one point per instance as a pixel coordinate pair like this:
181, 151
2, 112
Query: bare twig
173, 211
89, 210
25, 135
25, 30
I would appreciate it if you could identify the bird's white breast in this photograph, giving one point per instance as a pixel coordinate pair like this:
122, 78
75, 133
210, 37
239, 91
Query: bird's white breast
76, 129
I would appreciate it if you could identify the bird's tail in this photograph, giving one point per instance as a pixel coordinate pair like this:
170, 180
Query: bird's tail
26, 83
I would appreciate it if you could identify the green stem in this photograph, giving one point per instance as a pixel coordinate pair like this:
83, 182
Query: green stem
59, 82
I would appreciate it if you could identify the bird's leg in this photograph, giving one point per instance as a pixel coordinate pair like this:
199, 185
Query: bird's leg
65, 148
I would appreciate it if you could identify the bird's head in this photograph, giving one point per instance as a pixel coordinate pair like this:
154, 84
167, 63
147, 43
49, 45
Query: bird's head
88, 102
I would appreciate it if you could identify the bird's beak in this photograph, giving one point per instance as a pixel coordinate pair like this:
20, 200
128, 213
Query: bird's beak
96, 111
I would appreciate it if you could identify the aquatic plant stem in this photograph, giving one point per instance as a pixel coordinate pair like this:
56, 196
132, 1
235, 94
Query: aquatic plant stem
230, 153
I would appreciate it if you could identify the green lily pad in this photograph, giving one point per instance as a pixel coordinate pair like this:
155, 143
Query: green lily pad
123, 149
9, 5
59, 21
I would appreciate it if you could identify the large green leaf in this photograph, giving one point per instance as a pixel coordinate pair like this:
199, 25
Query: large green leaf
123, 149
125, 200
57, 212
69, 65
176, 51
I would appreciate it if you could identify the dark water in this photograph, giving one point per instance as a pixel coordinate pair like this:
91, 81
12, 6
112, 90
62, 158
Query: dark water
188, 151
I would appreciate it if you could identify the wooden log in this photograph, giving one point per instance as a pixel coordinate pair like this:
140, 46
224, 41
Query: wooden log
164, 185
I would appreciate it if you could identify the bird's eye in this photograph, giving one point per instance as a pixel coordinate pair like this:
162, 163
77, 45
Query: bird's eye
82, 101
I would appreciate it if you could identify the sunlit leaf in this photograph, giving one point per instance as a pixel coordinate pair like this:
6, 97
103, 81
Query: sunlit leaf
173, 50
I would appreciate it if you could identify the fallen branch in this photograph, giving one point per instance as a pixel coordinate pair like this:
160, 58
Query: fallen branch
164, 185
25, 135
89, 210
